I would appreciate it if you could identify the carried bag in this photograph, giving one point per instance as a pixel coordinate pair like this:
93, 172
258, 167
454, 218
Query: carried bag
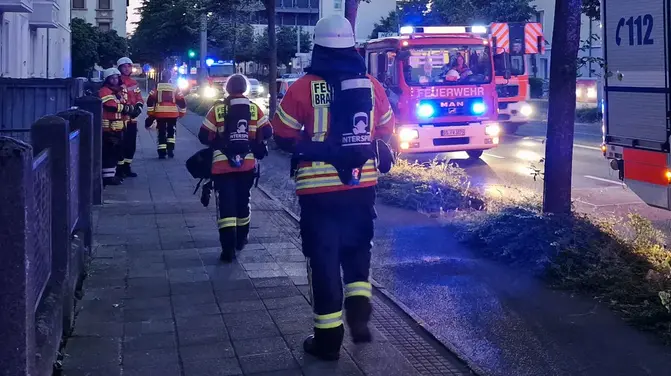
199, 165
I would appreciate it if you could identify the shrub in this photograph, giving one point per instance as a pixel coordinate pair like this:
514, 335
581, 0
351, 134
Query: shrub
588, 115
535, 87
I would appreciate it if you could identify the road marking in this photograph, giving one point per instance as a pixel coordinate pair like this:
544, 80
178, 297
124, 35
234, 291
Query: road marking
587, 147
603, 180
494, 156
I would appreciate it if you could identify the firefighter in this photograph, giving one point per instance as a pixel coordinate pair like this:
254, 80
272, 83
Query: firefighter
331, 120
125, 66
115, 110
165, 105
236, 129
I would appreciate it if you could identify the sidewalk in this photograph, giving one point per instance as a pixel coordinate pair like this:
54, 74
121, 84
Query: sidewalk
159, 302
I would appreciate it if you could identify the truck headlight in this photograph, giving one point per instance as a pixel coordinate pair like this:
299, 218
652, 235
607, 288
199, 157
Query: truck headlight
182, 83
591, 93
492, 130
526, 110
408, 134
261, 89
209, 92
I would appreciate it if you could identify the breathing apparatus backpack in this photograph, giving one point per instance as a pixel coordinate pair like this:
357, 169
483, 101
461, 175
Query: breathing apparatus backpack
235, 138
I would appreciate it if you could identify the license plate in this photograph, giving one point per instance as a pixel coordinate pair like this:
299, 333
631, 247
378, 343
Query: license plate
452, 132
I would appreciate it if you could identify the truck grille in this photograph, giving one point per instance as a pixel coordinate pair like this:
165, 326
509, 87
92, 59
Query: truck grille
507, 91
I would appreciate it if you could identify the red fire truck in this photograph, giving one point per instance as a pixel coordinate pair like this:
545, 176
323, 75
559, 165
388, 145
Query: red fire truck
219, 72
441, 85
636, 106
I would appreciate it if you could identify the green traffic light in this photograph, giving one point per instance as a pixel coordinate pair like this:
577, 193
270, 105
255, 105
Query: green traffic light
192, 54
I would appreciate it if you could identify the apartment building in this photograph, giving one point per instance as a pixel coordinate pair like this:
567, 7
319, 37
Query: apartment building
306, 13
35, 39
104, 14
545, 15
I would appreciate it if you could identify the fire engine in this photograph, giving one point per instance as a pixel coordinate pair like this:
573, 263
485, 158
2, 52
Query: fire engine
218, 73
441, 85
516, 42
636, 105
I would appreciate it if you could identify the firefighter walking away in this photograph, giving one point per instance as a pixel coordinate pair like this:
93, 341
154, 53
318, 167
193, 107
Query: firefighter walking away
344, 114
115, 111
236, 130
165, 105
125, 66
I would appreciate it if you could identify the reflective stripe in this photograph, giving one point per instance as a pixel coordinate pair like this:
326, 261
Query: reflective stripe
120, 163
150, 108
329, 321
162, 146
358, 289
243, 221
109, 172
226, 222
110, 97
332, 181
127, 160
181, 110
287, 119
326, 169
321, 117
168, 108
263, 121
239, 101
119, 107
218, 156
253, 128
171, 140
356, 83
386, 117
208, 124
114, 125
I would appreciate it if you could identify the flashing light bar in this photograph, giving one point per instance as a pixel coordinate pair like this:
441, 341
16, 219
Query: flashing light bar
405, 30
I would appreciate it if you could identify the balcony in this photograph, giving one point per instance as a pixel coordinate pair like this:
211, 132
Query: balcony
45, 15
105, 15
16, 6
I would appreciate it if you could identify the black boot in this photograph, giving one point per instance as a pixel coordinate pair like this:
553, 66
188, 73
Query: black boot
120, 172
129, 172
357, 312
227, 248
325, 343
171, 153
241, 243
161, 153
113, 180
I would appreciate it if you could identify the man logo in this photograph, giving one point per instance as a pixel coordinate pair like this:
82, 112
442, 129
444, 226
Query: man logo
451, 104
451, 111
360, 123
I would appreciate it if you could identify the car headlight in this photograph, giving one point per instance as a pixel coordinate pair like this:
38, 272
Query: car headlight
261, 89
526, 110
591, 93
492, 130
182, 83
407, 134
209, 92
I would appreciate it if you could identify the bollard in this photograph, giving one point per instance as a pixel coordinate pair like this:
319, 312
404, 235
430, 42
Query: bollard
17, 317
94, 105
53, 132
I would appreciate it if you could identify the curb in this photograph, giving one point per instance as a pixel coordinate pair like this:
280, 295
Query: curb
475, 369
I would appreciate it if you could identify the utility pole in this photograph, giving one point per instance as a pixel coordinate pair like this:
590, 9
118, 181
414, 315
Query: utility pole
203, 46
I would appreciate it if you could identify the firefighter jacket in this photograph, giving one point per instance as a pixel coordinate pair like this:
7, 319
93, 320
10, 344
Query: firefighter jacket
304, 113
134, 93
214, 127
115, 108
166, 102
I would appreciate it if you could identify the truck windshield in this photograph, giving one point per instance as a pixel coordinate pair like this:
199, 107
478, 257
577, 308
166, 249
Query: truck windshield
221, 70
447, 65
517, 66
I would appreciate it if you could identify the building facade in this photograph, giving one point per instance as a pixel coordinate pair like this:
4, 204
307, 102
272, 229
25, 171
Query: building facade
545, 15
35, 39
106, 15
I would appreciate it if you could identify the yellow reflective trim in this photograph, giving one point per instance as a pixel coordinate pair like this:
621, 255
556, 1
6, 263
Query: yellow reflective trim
386, 117
108, 97
208, 124
328, 321
150, 108
243, 221
321, 115
220, 112
119, 107
332, 181
120, 163
128, 160
358, 289
162, 146
218, 156
226, 222
287, 119
165, 87
171, 140
324, 169
169, 108
263, 121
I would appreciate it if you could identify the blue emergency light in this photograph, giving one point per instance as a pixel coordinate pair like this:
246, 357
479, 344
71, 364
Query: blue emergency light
209, 62
425, 110
478, 108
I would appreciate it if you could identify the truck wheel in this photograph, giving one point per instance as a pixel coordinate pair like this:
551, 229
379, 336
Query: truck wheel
474, 154
511, 128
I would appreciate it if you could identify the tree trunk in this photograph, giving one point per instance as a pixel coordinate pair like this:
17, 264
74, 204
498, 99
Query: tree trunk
351, 9
272, 46
561, 110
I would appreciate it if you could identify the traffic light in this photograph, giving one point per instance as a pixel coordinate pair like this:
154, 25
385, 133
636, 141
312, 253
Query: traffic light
192, 53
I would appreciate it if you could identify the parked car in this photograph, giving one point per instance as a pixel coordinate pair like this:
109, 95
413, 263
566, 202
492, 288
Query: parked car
256, 89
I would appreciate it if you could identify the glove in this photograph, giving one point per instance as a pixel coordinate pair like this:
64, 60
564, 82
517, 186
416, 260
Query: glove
137, 110
126, 109
148, 122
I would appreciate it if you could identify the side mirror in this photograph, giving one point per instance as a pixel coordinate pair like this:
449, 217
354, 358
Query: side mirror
506, 66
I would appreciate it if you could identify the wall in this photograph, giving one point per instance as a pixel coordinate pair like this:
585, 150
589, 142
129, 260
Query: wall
117, 15
27, 52
368, 15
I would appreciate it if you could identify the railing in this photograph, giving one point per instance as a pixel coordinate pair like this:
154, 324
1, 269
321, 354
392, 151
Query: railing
48, 176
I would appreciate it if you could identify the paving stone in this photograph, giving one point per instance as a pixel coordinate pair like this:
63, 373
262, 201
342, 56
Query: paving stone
149, 326
184, 275
238, 284
205, 297
92, 352
278, 292
272, 282
142, 292
311, 366
266, 273
103, 371
200, 322
292, 320
134, 315
155, 357
247, 325
159, 302
190, 288
226, 296
373, 358
170, 369
202, 336
250, 266
242, 306
286, 372
274, 361
213, 367
223, 349
225, 273
290, 301
149, 341
102, 329
260, 346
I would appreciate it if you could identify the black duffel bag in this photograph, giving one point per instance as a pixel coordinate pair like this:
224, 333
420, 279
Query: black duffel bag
199, 165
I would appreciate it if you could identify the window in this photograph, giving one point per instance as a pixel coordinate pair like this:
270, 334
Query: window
372, 64
35, 53
78, 4
104, 4
544, 67
540, 17
4, 46
337, 4
104, 26
447, 65
390, 78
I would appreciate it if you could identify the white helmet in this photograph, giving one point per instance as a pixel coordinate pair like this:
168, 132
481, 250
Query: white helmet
452, 75
334, 32
110, 72
124, 60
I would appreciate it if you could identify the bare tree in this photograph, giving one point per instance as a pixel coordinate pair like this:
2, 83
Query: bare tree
561, 111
